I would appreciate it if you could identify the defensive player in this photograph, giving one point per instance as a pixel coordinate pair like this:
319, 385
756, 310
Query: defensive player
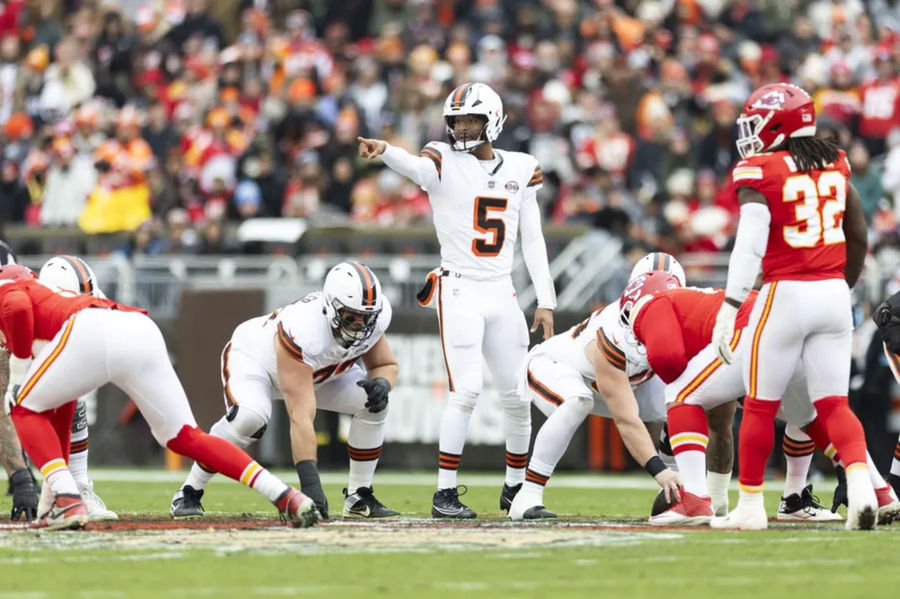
675, 327
561, 376
94, 341
887, 317
480, 197
73, 275
307, 353
794, 191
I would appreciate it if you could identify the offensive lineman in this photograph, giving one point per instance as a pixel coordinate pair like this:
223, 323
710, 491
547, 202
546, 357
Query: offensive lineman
480, 196
794, 191
307, 352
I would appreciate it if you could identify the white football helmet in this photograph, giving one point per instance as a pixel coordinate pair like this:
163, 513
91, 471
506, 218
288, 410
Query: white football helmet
352, 302
68, 273
474, 99
658, 261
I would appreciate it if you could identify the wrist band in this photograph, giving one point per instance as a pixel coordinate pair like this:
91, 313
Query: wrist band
654, 466
732, 302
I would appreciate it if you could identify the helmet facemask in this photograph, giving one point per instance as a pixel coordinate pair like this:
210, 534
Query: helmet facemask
749, 127
471, 141
351, 327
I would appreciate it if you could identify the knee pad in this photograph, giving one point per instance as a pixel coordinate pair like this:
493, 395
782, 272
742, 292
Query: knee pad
465, 401
247, 422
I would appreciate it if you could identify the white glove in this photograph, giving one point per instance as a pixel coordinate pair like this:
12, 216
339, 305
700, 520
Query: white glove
724, 331
9, 399
18, 368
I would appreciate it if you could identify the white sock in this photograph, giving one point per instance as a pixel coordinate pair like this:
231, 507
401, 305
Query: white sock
751, 499
198, 477
364, 448
692, 468
556, 433
78, 446
517, 431
798, 451
877, 480
262, 481
717, 484
454, 426
57, 475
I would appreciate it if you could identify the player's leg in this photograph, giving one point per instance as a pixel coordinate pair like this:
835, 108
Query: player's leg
505, 348
826, 363
138, 364
894, 362
720, 454
78, 459
773, 340
364, 443
461, 328
559, 391
247, 393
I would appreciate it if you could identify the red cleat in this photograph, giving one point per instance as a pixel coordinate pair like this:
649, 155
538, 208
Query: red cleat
66, 512
888, 506
691, 510
297, 508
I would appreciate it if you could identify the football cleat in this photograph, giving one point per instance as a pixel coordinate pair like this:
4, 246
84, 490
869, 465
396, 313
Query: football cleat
804, 507
743, 517
537, 512
690, 510
446, 504
296, 508
97, 510
862, 504
888, 506
507, 495
363, 504
66, 512
186, 503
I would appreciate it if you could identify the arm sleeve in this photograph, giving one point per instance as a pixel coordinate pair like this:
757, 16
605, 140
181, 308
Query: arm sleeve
749, 247
534, 250
663, 339
17, 318
422, 169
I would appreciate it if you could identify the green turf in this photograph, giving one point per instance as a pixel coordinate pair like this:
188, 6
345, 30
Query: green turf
797, 561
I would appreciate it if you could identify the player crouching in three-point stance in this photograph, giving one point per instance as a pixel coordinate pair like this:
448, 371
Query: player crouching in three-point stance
480, 197
307, 352
92, 342
794, 191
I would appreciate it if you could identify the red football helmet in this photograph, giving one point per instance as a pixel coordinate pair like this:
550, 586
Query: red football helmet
644, 286
16, 272
772, 114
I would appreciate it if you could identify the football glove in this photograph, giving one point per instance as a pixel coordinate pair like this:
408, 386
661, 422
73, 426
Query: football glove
311, 485
840, 492
377, 391
25, 495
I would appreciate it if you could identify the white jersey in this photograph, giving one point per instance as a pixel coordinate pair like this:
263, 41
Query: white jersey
616, 341
476, 208
304, 331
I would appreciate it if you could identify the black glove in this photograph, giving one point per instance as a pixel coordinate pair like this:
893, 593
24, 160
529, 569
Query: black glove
311, 485
840, 492
377, 391
25, 495
887, 317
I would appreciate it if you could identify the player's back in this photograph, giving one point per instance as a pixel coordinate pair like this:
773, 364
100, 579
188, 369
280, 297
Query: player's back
806, 236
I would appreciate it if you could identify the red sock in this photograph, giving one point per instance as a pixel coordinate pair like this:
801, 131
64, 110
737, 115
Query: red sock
757, 437
685, 418
816, 431
843, 428
61, 418
213, 452
36, 435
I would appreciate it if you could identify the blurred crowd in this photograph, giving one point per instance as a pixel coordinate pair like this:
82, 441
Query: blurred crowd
170, 117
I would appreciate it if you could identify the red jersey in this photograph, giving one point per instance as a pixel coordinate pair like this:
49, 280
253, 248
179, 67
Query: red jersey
31, 312
806, 235
677, 323
878, 115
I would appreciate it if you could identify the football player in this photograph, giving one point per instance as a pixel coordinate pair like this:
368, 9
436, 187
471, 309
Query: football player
92, 342
675, 327
801, 221
481, 197
595, 367
308, 354
73, 275
887, 318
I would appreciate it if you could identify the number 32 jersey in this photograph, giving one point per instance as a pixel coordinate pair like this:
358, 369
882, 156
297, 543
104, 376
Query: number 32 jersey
476, 209
806, 236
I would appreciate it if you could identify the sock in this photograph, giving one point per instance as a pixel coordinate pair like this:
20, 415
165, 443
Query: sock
536, 480
41, 443
895, 463
816, 431
757, 436
517, 431
553, 439
200, 474
717, 484
689, 435
753, 499
877, 480
364, 448
454, 425
225, 457
843, 429
78, 445
61, 419
798, 451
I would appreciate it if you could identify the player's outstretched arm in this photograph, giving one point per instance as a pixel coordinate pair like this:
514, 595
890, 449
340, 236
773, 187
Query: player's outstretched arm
613, 385
856, 234
422, 171
534, 251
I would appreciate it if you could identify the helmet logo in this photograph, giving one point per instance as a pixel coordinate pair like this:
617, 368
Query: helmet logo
772, 100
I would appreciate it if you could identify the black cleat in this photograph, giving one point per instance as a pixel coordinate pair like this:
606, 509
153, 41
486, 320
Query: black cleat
538, 512
446, 504
362, 504
507, 495
186, 503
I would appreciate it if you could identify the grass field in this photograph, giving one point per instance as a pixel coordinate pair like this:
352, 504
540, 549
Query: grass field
600, 547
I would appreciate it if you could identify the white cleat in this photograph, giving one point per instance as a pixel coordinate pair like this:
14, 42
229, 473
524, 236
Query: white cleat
804, 507
862, 510
742, 517
96, 509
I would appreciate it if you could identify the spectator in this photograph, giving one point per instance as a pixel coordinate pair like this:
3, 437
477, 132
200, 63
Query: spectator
866, 178
196, 24
67, 82
14, 196
880, 101
69, 182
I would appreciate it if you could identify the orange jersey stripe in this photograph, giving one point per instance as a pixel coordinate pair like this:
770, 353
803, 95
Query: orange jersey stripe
441, 330
287, 343
612, 353
543, 390
757, 335
26, 389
